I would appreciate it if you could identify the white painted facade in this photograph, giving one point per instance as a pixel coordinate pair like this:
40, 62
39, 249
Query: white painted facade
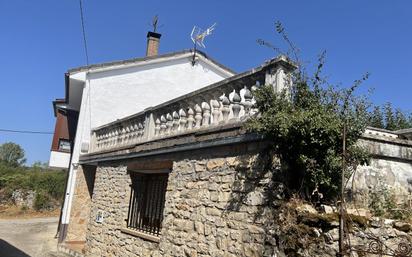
113, 92
59, 159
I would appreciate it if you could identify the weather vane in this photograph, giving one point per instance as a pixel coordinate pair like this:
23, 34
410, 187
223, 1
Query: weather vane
198, 36
155, 23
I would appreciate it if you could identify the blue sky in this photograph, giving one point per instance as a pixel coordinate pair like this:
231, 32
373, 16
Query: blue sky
40, 40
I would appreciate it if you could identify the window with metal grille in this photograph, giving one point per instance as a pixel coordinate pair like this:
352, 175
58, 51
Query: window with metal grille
147, 199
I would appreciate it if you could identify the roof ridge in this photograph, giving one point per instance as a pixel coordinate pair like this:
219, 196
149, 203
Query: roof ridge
147, 58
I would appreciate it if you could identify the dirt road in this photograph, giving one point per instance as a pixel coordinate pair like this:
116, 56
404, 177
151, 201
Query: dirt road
27, 237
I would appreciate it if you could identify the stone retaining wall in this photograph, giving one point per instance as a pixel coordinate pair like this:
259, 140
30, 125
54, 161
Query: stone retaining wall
390, 167
221, 206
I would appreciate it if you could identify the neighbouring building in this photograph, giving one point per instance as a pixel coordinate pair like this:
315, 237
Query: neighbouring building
162, 165
64, 134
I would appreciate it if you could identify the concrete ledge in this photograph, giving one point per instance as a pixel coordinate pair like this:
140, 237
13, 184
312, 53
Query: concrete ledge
141, 235
229, 134
389, 149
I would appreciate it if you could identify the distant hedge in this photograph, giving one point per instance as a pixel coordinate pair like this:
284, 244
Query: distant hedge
48, 184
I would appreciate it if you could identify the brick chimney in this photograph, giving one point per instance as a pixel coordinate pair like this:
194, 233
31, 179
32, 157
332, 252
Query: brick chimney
153, 40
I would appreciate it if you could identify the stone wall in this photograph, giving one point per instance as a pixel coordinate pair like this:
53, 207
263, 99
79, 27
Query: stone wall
111, 195
214, 207
228, 206
80, 211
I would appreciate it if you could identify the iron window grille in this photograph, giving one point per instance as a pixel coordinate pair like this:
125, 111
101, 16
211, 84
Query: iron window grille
146, 204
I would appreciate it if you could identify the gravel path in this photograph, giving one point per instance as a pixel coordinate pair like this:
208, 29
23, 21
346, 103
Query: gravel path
27, 237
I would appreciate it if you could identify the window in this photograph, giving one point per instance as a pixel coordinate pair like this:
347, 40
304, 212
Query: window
64, 145
147, 199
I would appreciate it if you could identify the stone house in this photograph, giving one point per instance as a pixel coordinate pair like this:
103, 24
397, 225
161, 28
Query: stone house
102, 93
180, 176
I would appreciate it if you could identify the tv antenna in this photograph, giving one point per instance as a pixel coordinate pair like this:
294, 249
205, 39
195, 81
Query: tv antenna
198, 36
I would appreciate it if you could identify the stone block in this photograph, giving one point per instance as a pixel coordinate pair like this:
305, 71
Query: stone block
215, 164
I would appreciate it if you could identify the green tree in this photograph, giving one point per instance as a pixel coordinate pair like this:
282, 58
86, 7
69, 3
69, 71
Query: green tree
38, 165
401, 120
390, 122
377, 118
410, 120
12, 154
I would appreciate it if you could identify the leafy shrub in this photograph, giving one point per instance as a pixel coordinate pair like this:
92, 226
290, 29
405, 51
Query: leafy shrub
48, 184
381, 200
43, 201
305, 128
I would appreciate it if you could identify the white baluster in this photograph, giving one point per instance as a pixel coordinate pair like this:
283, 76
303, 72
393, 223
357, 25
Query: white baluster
248, 101
169, 123
215, 111
115, 137
126, 136
130, 135
176, 118
225, 107
110, 135
253, 107
183, 120
190, 118
136, 131
198, 116
122, 136
104, 139
110, 139
163, 126
97, 140
206, 114
157, 127
141, 131
236, 105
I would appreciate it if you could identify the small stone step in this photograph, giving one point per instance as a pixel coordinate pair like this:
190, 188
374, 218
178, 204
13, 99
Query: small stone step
68, 252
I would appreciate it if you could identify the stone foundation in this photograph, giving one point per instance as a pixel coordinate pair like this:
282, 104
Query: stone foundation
80, 212
202, 216
225, 202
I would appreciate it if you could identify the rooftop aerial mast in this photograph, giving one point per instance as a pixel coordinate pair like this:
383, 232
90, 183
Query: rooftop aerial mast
198, 36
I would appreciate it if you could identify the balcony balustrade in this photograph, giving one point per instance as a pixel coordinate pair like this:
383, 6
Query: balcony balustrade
228, 101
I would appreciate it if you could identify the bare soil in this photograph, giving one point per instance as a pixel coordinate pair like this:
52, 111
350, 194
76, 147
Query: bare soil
15, 212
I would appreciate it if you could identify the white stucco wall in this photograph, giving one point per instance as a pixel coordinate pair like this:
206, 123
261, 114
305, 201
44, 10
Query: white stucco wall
113, 94
59, 160
119, 93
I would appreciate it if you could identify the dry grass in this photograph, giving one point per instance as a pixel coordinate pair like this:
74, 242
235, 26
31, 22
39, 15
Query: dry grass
15, 212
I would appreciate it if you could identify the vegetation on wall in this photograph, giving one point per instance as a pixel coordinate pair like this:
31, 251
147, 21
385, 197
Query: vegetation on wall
306, 125
306, 122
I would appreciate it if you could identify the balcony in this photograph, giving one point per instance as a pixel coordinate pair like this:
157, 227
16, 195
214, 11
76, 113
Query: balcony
221, 104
